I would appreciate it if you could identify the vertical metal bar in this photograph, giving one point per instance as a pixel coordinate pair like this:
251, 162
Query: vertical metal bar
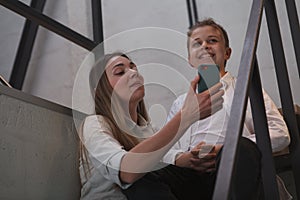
190, 15
237, 114
295, 29
25, 48
192, 11
195, 10
97, 21
262, 136
97, 27
284, 88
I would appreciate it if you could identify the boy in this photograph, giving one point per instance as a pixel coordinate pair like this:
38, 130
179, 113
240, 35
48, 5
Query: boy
208, 43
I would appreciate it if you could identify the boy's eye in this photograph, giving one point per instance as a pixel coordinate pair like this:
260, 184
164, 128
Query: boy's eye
212, 41
196, 44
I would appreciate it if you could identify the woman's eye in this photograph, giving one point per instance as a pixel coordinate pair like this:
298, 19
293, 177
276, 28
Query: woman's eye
119, 73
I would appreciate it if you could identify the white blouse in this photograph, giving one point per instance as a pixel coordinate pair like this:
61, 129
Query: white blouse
105, 154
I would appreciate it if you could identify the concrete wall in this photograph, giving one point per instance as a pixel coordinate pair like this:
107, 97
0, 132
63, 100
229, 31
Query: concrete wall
38, 151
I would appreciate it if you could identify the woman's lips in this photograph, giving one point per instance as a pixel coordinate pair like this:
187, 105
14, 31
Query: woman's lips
137, 84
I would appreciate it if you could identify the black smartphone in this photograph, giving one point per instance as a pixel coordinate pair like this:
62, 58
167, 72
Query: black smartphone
209, 76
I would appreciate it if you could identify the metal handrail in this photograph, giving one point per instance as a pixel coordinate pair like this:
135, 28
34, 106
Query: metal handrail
237, 114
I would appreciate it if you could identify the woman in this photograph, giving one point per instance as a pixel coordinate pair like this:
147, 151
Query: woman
119, 148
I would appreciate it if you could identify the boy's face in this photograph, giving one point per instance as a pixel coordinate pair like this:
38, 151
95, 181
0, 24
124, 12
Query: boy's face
207, 46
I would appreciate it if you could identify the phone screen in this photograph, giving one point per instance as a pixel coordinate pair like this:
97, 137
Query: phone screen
209, 76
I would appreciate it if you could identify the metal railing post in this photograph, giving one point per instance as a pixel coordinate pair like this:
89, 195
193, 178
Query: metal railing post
97, 27
295, 28
263, 141
192, 11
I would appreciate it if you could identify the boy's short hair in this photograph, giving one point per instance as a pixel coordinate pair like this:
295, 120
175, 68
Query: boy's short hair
208, 22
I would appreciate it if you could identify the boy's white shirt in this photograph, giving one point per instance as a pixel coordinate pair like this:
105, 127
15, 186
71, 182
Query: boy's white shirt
212, 129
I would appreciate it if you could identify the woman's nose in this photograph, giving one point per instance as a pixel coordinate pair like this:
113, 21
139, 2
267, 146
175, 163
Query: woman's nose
133, 73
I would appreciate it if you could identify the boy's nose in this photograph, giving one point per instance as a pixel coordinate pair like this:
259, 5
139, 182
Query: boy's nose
204, 45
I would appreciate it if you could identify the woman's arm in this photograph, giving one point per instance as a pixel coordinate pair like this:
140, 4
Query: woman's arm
143, 157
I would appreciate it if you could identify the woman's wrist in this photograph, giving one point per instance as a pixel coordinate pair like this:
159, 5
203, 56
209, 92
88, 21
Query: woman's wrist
187, 118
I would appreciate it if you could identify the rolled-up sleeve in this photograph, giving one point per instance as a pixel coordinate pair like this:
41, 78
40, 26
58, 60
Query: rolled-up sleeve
279, 134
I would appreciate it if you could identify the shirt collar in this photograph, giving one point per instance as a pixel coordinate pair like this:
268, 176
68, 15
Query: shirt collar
144, 130
226, 80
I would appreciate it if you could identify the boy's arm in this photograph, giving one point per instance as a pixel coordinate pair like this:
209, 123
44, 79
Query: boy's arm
279, 135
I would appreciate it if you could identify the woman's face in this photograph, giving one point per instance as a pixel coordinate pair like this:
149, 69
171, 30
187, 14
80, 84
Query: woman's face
125, 80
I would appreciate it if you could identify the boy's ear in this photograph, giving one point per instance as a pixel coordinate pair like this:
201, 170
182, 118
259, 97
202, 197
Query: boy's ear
228, 53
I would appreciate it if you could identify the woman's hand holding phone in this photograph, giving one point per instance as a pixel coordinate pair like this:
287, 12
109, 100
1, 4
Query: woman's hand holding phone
201, 105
